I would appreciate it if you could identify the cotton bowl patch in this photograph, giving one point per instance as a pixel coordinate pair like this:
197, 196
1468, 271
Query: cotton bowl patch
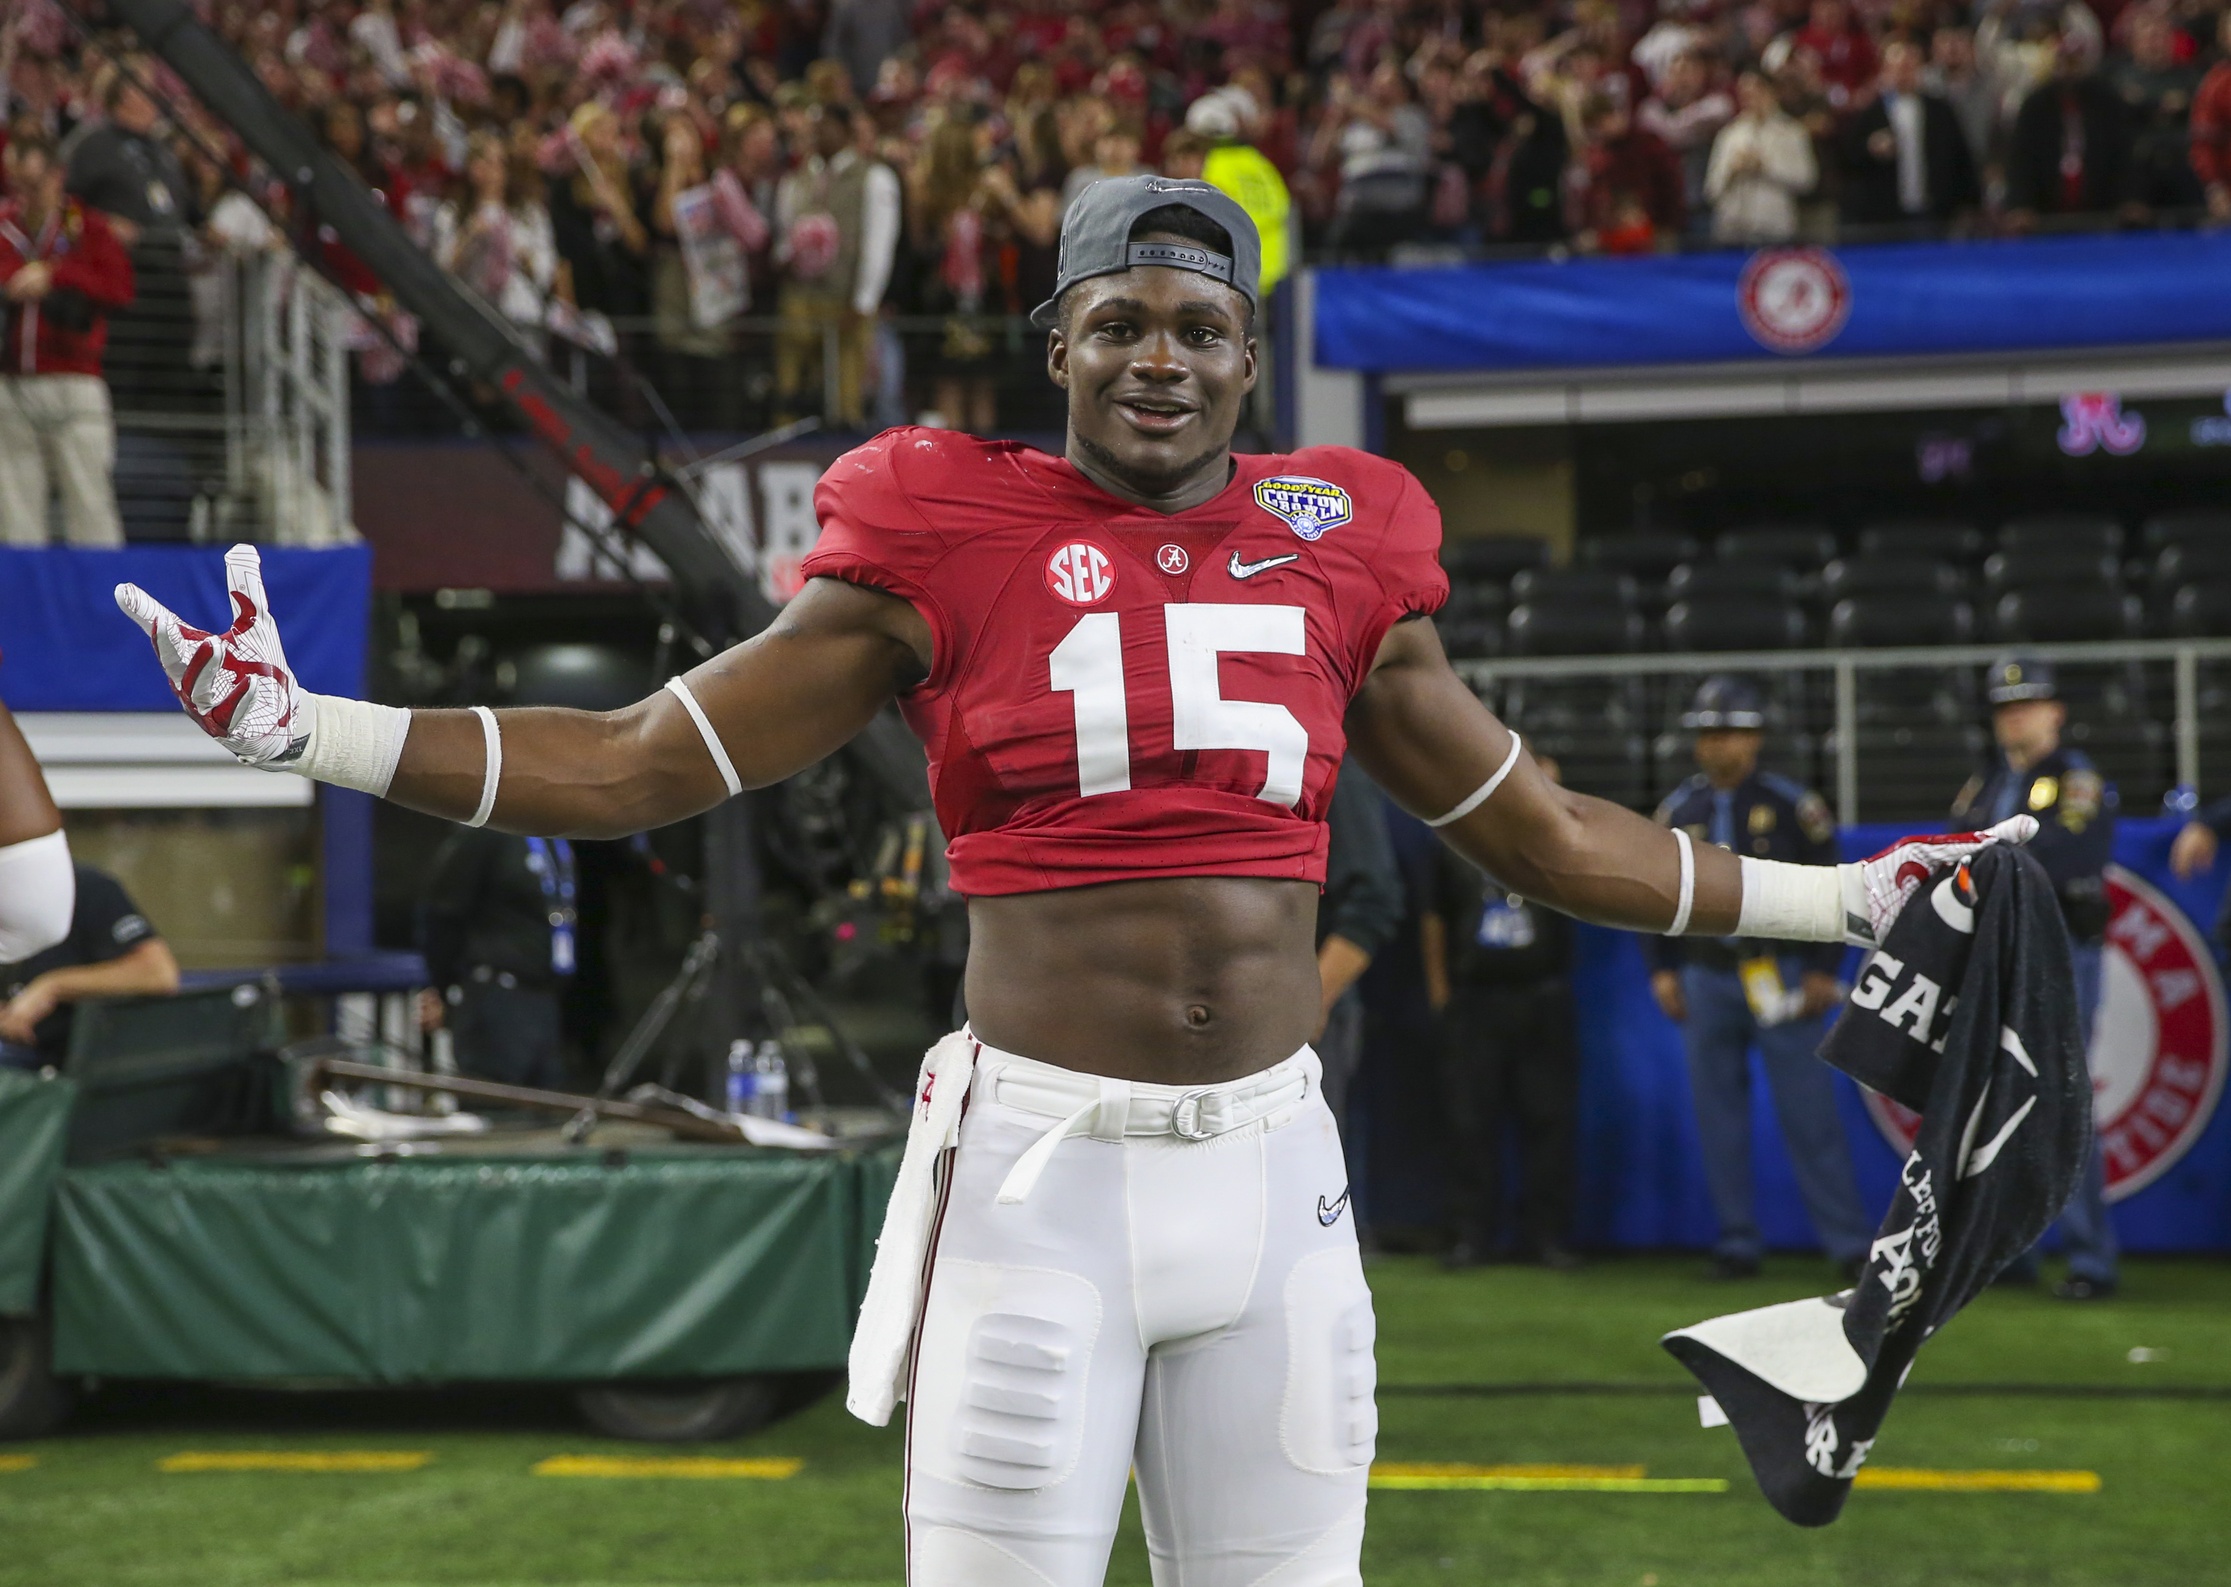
1307, 506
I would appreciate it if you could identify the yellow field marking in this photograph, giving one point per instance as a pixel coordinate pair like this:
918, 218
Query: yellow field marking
324, 1460
773, 1469
17, 1462
1438, 1477
1914, 1479
1433, 1468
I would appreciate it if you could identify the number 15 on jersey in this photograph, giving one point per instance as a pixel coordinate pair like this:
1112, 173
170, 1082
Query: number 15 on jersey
1088, 666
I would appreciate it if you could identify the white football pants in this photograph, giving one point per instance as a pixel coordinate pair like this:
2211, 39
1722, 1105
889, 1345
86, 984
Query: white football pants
1179, 1290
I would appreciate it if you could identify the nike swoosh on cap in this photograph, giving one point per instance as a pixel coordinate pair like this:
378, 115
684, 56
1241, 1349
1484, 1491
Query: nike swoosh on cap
1247, 570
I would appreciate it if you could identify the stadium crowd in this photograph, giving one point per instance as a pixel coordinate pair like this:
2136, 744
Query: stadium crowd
671, 164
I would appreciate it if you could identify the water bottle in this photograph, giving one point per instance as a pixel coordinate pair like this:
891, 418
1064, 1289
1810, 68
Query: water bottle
743, 1080
771, 1098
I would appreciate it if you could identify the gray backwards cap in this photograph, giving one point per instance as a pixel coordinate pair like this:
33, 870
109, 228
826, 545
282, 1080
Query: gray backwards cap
1096, 237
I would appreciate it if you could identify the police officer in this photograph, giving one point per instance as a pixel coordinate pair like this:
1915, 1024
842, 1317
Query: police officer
1728, 994
2075, 810
497, 925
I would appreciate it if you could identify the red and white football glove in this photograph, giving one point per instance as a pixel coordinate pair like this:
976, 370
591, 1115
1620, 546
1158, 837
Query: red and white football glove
236, 685
1876, 888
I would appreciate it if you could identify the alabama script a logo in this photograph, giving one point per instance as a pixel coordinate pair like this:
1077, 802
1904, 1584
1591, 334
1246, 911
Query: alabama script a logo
2158, 1048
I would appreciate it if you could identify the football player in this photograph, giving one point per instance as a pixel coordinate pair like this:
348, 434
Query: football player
1119, 1236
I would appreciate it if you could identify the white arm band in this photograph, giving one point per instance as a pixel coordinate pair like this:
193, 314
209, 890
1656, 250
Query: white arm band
712, 739
1688, 883
1783, 902
493, 773
38, 895
1478, 796
352, 743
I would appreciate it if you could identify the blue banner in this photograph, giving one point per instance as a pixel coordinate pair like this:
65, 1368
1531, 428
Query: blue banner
1641, 1172
1780, 304
67, 647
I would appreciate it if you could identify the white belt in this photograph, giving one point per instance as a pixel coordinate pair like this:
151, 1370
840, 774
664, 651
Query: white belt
1109, 1110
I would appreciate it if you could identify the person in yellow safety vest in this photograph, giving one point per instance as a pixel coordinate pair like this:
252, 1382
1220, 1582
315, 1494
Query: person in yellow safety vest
1243, 171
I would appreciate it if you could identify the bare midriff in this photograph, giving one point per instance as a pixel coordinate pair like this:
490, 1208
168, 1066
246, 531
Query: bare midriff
1181, 981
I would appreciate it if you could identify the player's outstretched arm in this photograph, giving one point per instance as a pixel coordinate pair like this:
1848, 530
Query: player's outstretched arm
752, 716
1443, 756
1430, 743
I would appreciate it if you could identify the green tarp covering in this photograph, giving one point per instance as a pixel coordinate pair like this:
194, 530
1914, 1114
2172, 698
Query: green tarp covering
34, 1128
680, 1264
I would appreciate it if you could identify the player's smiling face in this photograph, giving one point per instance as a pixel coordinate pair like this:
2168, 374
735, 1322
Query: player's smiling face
1157, 363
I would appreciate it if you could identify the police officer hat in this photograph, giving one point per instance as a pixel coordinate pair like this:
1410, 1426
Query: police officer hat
2014, 678
1725, 702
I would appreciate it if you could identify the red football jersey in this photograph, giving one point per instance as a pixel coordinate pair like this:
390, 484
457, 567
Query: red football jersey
1118, 693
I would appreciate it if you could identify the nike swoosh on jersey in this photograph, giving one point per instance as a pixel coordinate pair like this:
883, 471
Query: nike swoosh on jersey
1247, 570
1328, 1214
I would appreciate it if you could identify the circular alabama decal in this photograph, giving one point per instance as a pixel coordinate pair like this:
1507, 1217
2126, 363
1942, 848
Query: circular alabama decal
1793, 300
1080, 573
1171, 559
2158, 1046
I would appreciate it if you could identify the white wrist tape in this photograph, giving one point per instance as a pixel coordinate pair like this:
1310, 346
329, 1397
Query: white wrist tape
491, 736
1478, 796
1783, 902
352, 743
1688, 883
705, 731
38, 895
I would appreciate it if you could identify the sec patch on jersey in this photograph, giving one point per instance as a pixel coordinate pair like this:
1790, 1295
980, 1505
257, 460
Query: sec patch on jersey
1310, 507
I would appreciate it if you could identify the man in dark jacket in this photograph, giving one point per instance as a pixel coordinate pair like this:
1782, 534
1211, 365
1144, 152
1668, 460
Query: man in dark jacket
1356, 917
2071, 149
497, 926
123, 167
2075, 809
1906, 162
1498, 971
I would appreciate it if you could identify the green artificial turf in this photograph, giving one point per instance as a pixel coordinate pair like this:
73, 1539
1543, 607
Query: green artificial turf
95, 1512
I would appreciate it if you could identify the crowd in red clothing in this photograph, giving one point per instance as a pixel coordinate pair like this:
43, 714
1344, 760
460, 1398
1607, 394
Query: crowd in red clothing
543, 149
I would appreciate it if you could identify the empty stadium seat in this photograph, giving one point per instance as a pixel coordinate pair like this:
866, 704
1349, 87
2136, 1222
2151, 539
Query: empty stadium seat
1574, 584
1647, 556
1496, 557
1471, 621
1889, 575
1724, 622
2065, 612
2187, 526
2201, 611
1559, 626
1936, 539
1755, 581
2033, 567
1804, 547
2192, 562
1909, 769
2067, 531
1915, 618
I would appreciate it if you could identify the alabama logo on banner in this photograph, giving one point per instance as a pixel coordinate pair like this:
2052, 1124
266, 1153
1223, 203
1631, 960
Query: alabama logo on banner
1793, 300
2158, 1049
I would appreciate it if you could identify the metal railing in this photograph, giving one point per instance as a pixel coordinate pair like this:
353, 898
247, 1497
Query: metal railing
229, 379
1892, 732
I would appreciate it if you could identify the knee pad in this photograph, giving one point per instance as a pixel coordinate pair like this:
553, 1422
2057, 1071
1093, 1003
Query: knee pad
1334, 1560
1330, 1422
945, 1556
999, 1387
